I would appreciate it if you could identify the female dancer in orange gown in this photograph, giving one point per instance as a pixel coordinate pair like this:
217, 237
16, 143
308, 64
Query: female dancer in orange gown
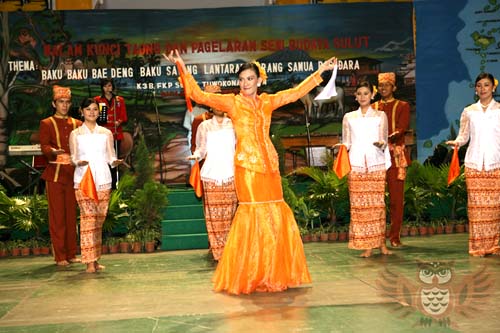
264, 250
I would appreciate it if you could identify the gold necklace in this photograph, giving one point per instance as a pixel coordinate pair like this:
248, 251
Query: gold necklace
485, 106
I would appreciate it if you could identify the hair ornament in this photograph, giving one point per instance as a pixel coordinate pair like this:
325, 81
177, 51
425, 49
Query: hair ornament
262, 72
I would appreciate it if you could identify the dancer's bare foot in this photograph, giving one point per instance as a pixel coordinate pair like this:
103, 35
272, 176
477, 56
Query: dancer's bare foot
98, 266
384, 250
90, 268
366, 254
74, 260
62, 263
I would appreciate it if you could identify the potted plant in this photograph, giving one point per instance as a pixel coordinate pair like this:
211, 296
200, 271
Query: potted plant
135, 239
327, 192
45, 246
3, 249
333, 234
405, 228
343, 233
431, 228
413, 229
113, 244
35, 246
315, 235
149, 238
323, 233
14, 248
124, 245
449, 227
104, 246
25, 248
305, 234
423, 228
460, 225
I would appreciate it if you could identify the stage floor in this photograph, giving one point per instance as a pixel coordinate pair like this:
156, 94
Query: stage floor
171, 292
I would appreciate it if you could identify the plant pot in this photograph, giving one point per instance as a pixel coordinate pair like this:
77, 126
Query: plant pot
449, 228
15, 252
306, 238
422, 230
460, 228
387, 232
439, 230
404, 231
25, 251
3, 253
136, 247
413, 231
104, 249
342, 236
314, 237
115, 248
124, 247
45, 250
323, 237
36, 251
333, 236
150, 246
431, 231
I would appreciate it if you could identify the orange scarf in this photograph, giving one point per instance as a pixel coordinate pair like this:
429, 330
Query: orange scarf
342, 166
87, 185
195, 179
454, 167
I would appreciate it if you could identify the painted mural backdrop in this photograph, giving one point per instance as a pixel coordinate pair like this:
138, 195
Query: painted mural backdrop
456, 40
77, 49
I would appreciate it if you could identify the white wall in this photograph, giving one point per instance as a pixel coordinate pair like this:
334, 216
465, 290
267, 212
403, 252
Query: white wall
178, 4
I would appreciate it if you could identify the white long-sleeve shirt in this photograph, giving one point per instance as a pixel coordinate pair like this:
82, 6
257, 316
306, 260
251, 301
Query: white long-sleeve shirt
216, 144
96, 147
359, 132
483, 131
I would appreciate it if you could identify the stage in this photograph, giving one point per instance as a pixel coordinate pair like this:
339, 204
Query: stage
171, 292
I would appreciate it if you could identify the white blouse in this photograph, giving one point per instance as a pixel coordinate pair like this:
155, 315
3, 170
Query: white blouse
216, 144
483, 130
96, 147
359, 132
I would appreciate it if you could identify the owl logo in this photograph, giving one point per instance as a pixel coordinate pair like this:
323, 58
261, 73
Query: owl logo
436, 294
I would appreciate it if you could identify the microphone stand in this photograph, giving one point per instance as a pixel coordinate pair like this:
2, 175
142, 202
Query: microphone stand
159, 135
308, 137
115, 138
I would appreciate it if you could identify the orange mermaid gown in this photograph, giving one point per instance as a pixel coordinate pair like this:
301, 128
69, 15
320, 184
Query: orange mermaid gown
263, 251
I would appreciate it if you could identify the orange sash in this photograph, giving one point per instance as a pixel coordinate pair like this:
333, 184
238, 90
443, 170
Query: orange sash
342, 165
87, 185
195, 179
454, 167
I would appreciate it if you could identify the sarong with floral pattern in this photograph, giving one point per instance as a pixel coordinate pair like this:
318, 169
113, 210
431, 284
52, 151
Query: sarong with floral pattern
483, 209
366, 195
92, 216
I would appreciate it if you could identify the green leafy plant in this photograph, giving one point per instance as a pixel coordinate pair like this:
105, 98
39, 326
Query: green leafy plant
327, 191
146, 205
302, 207
118, 203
